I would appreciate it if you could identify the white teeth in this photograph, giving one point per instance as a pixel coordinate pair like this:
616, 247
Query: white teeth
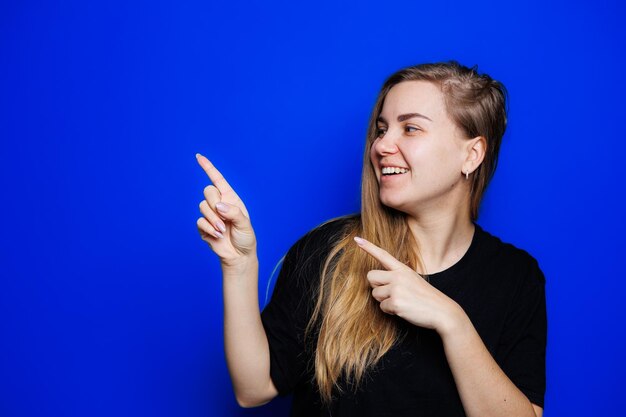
394, 170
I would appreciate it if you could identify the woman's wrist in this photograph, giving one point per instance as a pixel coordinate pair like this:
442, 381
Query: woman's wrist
240, 266
453, 322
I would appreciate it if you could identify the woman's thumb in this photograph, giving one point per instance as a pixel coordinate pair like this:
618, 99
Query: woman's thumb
233, 214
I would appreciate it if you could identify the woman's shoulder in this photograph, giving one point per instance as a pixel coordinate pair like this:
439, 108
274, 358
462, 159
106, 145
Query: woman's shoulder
511, 257
305, 257
313, 247
329, 230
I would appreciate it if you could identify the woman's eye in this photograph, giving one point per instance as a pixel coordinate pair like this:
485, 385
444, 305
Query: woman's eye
380, 132
412, 127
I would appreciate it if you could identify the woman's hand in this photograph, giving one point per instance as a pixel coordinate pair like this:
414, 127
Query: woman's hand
225, 224
403, 292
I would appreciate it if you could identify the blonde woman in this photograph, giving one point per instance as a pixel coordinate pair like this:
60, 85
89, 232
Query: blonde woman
408, 308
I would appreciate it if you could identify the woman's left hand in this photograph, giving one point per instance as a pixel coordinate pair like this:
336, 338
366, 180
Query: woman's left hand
403, 292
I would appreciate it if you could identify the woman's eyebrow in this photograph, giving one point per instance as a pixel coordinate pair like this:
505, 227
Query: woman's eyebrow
404, 117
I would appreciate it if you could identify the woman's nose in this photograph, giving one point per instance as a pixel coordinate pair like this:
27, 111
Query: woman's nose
386, 144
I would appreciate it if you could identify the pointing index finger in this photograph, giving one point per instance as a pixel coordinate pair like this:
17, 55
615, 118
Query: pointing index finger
388, 261
216, 177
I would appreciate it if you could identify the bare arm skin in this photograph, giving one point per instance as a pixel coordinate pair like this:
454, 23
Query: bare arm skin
484, 388
245, 342
226, 227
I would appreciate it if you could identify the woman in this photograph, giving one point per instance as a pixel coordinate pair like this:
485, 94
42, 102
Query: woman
408, 307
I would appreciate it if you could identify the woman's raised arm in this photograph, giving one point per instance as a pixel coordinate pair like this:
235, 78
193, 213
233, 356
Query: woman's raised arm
226, 227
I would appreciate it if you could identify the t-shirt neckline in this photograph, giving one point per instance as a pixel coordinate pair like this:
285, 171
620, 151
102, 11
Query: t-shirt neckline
465, 260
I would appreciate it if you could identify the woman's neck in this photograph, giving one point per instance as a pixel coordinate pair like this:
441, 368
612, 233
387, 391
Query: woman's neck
442, 238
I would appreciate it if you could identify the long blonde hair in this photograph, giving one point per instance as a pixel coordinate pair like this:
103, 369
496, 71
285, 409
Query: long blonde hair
352, 332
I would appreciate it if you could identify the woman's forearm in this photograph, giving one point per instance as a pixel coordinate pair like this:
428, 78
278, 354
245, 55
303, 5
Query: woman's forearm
485, 389
245, 341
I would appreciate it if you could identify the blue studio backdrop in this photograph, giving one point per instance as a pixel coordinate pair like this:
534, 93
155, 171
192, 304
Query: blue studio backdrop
110, 302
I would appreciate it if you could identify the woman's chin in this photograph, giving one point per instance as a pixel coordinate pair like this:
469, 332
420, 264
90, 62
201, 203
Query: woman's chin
394, 203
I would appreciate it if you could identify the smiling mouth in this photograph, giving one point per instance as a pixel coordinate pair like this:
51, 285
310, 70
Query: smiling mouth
387, 171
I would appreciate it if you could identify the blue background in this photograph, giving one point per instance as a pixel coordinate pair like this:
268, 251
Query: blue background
111, 303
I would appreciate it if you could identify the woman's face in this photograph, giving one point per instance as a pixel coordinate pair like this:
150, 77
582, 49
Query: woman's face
415, 133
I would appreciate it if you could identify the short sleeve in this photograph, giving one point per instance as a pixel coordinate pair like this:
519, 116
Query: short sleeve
522, 348
289, 310
282, 320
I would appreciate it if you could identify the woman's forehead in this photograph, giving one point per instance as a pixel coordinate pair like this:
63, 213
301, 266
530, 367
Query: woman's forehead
414, 97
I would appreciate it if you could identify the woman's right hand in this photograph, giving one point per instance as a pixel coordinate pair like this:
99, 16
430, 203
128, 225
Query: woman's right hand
229, 233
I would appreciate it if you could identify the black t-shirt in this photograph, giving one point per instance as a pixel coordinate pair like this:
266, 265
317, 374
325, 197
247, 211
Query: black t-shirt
500, 287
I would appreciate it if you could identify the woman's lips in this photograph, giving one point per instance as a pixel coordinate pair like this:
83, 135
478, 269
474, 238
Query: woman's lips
390, 178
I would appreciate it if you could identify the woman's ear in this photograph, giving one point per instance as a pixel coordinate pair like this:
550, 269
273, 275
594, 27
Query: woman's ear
476, 149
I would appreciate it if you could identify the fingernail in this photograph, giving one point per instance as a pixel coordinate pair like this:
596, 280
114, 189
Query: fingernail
197, 155
221, 207
221, 226
358, 240
221, 236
